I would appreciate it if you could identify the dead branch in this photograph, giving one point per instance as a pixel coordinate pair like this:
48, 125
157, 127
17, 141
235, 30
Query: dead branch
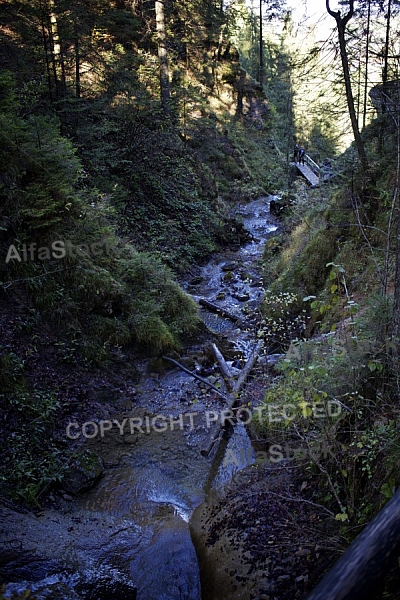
205, 381
233, 396
224, 367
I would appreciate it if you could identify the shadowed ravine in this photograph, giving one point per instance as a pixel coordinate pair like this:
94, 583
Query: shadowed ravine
129, 536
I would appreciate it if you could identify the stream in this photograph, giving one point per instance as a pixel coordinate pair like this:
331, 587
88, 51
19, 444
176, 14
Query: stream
129, 536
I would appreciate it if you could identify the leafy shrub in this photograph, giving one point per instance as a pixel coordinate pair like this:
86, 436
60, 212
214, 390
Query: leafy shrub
11, 370
283, 319
31, 458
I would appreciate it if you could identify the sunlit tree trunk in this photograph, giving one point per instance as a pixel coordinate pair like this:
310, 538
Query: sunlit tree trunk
43, 18
58, 60
385, 77
366, 63
341, 23
165, 91
261, 62
386, 52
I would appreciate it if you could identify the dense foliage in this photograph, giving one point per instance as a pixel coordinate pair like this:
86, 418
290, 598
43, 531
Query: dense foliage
126, 141
107, 192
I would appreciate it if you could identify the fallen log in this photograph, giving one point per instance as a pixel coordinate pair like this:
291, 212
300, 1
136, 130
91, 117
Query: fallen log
185, 370
247, 368
224, 367
363, 566
218, 309
232, 399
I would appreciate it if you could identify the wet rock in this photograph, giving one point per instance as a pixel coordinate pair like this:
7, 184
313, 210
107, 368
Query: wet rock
157, 366
242, 297
255, 282
127, 404
104, 393
130, 438
178, 576
196, 280
67, 557
245, 276
83, 472
188, 361
270, 359
228, 276
229, 266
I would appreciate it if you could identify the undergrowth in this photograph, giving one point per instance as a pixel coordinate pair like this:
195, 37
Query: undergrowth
334, 266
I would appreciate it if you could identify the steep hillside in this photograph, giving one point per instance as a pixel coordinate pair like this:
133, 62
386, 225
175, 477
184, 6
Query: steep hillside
105, 196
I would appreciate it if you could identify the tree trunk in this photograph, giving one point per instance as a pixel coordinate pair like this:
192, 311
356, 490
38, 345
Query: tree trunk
223, 367
240, 86
396, 295
43, 16
341, 23
58, 59
261, 65
77, 65
362, 567
165, 91
366, 64
386, 55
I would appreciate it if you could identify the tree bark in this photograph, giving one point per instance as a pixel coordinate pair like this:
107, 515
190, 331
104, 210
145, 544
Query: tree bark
366, 64
77, 61
396, 294
341, 23
261, 65
165, 90
45, 48
386, 54
224, 367
58, 59
360, 569
240, 86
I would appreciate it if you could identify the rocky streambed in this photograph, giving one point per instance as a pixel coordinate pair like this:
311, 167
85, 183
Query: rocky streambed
163, 521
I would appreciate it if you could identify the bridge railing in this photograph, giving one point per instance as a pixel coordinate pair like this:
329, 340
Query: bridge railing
313, 165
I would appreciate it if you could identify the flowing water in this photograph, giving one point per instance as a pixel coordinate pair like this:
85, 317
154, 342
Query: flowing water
139, 543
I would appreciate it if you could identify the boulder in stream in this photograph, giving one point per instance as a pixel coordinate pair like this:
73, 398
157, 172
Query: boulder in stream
83, 472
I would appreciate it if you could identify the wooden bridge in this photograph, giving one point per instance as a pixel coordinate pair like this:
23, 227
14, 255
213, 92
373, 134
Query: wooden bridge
310, 170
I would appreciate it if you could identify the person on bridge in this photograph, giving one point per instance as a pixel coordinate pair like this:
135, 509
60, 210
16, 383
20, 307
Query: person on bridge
302, 154
296, 153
